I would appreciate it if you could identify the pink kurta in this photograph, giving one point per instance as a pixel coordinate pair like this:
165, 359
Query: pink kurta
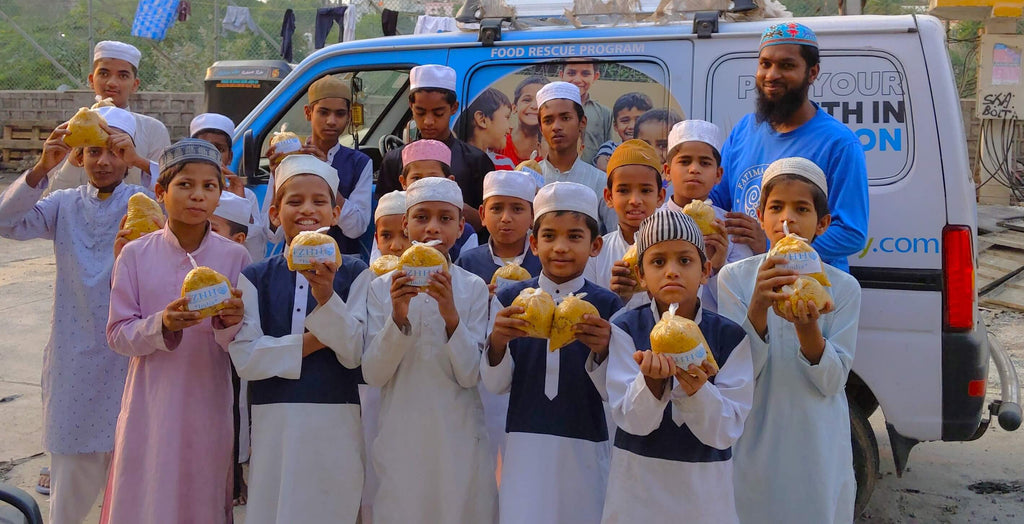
172, 446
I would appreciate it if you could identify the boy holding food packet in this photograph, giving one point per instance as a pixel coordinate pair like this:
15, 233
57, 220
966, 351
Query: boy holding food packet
694, 168
679, 391
801, 317
634, 191
300, 347
552, 361
426, 325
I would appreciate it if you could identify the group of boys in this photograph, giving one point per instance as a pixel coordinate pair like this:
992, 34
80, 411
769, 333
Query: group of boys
396, 397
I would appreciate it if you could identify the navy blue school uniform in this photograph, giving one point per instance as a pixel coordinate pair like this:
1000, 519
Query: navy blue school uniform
675, 452
557, 450
355, 183
305, 410
468, 239
481, 261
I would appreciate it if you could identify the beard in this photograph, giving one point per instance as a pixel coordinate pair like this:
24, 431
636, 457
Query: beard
777, 112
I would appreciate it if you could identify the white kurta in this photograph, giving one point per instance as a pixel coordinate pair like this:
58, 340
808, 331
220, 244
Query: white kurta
794, 462
151, 138
431, 455
256, 238
734, 253
550, 478
590, 176
307, 458
701, 490
599, 268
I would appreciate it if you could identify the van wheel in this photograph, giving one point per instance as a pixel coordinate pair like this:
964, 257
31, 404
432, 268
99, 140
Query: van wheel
857, 392
865, 457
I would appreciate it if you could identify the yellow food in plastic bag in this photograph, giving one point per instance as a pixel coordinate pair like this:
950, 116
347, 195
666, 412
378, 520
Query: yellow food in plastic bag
207, 291
540, 311
511, 271
385, 264
421, 260
144, 214
285, 141
529, 164
106, 102
312, 246
802, 257
568, 313
632, 260
808, 289
703, 214
681, 338
84, 129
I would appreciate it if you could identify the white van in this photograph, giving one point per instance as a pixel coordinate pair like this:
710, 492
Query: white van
922, 352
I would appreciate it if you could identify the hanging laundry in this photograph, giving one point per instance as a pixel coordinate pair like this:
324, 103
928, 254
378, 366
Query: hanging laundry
184, 10
434, 24
287, 30
325, 18
153, 18
238, 19
356, 10
389, 22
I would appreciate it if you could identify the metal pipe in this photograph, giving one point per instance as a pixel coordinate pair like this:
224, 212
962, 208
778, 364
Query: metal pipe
1009, 386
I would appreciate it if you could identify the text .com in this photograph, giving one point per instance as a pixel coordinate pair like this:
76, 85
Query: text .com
900, 245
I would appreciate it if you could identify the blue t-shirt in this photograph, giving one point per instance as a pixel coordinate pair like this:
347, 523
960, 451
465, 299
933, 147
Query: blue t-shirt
751, 147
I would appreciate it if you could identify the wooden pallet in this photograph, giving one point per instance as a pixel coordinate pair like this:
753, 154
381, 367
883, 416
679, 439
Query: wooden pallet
24, 138
1000, 277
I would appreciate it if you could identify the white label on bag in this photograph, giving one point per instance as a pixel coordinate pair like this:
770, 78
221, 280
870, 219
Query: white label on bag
804, 263
695, 356
208, 296
421, 274
288, 145
310, 254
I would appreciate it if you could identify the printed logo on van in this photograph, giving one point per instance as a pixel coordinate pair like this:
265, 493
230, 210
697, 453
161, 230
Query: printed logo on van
748, 189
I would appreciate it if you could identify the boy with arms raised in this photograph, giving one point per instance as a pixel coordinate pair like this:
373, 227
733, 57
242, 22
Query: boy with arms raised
300, 347
556, 461
677, 425
801, 359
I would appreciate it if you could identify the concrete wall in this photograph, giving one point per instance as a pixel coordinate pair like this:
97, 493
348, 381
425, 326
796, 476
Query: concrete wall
175, 110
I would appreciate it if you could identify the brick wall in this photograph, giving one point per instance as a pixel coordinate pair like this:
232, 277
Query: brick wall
175, 110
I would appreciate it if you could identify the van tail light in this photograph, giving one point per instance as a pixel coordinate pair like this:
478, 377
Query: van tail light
958, 294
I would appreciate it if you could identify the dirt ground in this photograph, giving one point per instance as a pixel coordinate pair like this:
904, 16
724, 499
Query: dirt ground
980, 481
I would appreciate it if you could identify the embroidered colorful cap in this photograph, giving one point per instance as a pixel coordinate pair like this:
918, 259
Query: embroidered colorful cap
118, 50
294, 165
211, 122
426, 149
664, 225
432, 76
189, 150
634, 153
433, 189
392, 203
234, 208
566, 196
798, 166
788, 33
556, 90
694, 131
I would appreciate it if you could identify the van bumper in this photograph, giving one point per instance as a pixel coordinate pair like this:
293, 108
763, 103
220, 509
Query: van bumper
965, 359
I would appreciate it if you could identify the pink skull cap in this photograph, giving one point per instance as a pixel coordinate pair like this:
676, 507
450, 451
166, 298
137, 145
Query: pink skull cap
426, 150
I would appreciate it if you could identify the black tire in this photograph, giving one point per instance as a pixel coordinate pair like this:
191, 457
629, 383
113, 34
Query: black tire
865, 457
857, 392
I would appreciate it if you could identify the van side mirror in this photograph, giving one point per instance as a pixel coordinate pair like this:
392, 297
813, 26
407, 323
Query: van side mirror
15, 504
250, 156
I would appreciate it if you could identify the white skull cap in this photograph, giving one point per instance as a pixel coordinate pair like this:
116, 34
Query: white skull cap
433, 189
392, 203
234, 208
558, 90
211, 122
565, 196
516, 184
294, 165
695, 131
432, 76
798, 166
118, 118
118, 50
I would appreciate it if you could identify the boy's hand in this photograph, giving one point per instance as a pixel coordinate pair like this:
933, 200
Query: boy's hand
506, 328
771, 276
123, 147
439, 288
176, 317
232, 312
491, 289
622, 283
594, 332
321, 280
54, 152
694, 377
745, 229
235, 184
401, 294
806, 312
716, 247
656, 369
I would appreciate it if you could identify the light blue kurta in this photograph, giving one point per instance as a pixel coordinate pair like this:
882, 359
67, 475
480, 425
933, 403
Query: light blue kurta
793, 462
82, 378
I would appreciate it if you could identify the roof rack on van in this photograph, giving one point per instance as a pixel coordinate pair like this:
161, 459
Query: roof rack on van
490, 16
